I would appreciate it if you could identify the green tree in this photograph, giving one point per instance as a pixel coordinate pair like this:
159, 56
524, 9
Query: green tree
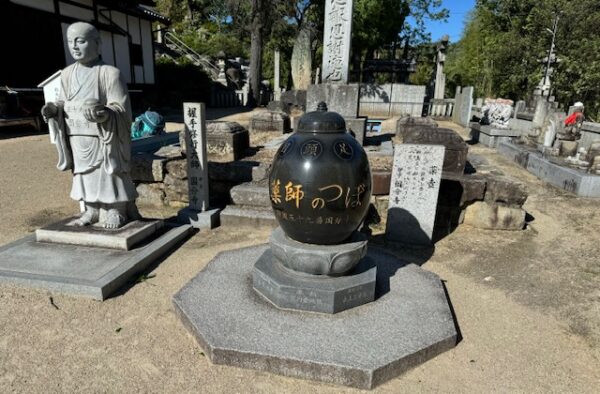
379, 24
505, 41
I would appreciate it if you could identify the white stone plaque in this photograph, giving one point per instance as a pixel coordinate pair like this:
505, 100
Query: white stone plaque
336, 41
414, 190
194, 115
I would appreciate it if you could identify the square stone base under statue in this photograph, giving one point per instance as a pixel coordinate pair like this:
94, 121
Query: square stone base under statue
124, 238
85, 270
409, 323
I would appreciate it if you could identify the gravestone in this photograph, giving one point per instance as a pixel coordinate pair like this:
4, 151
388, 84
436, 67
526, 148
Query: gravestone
336, 41
466, 106
463, 103
226, 141
301, 62
270, 121
520, 106
414, 192
455, 156
197, 214
276, 87
406, 124
342, 99
440, 76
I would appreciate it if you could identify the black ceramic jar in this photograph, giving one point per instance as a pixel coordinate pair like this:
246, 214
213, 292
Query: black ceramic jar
320, 181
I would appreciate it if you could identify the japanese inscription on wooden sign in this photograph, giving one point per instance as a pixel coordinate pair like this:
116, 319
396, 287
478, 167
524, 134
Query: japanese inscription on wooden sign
414, 189
337, 37
195, 137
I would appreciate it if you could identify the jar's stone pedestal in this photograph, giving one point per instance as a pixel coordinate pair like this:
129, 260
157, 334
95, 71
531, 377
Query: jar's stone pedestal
333, 260
315, 278
410, 322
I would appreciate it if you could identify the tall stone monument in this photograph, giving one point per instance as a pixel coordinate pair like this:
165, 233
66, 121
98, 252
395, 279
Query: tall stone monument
301, 62
463, 103
276, 77
340, 96
337, 37
440, 60
439, 88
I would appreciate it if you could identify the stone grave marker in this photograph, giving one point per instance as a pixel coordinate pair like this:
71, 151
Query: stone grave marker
414, 189
198, 213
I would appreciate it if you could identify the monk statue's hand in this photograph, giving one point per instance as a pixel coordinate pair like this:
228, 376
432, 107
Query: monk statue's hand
97, 114
50, 110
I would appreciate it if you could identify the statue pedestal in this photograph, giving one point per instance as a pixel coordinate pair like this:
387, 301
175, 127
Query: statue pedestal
124, 238
87, 269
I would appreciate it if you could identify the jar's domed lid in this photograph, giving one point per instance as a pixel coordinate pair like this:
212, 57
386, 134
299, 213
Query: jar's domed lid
322, 121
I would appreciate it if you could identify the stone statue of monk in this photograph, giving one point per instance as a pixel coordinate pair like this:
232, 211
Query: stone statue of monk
90, 126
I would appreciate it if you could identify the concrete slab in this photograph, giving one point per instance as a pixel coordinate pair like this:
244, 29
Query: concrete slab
409, 322
123, 238
81, 270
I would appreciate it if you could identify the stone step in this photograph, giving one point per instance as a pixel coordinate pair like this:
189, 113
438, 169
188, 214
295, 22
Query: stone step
255, 194
240, 215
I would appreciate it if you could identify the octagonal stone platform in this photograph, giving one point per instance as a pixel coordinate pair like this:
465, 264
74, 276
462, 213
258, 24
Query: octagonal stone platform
409, 323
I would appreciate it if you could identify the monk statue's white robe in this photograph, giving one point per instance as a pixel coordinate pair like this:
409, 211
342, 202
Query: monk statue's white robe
97, 153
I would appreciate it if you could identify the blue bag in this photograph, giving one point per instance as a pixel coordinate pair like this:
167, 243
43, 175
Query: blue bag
147, 124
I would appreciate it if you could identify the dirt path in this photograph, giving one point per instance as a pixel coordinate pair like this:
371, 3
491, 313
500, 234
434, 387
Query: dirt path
527, 304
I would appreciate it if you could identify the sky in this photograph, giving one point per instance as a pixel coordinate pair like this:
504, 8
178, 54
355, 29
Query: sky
459, 10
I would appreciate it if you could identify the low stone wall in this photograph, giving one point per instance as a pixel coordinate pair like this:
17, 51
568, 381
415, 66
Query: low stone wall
387, 100
161, 175
484, 201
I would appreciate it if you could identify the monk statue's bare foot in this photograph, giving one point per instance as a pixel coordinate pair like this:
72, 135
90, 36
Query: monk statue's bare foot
114, 219
90, 216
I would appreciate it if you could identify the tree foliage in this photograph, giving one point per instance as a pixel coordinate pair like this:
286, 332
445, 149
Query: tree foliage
211, 26
504, 42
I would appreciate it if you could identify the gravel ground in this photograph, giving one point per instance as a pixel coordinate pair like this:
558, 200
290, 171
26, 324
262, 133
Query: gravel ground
527, 303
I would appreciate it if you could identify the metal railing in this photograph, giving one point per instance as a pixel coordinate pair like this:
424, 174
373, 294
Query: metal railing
174, 43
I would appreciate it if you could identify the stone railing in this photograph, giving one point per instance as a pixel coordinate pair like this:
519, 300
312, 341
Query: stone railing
442, 108
226, 98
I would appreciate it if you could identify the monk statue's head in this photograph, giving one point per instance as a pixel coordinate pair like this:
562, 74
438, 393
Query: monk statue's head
83, 40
